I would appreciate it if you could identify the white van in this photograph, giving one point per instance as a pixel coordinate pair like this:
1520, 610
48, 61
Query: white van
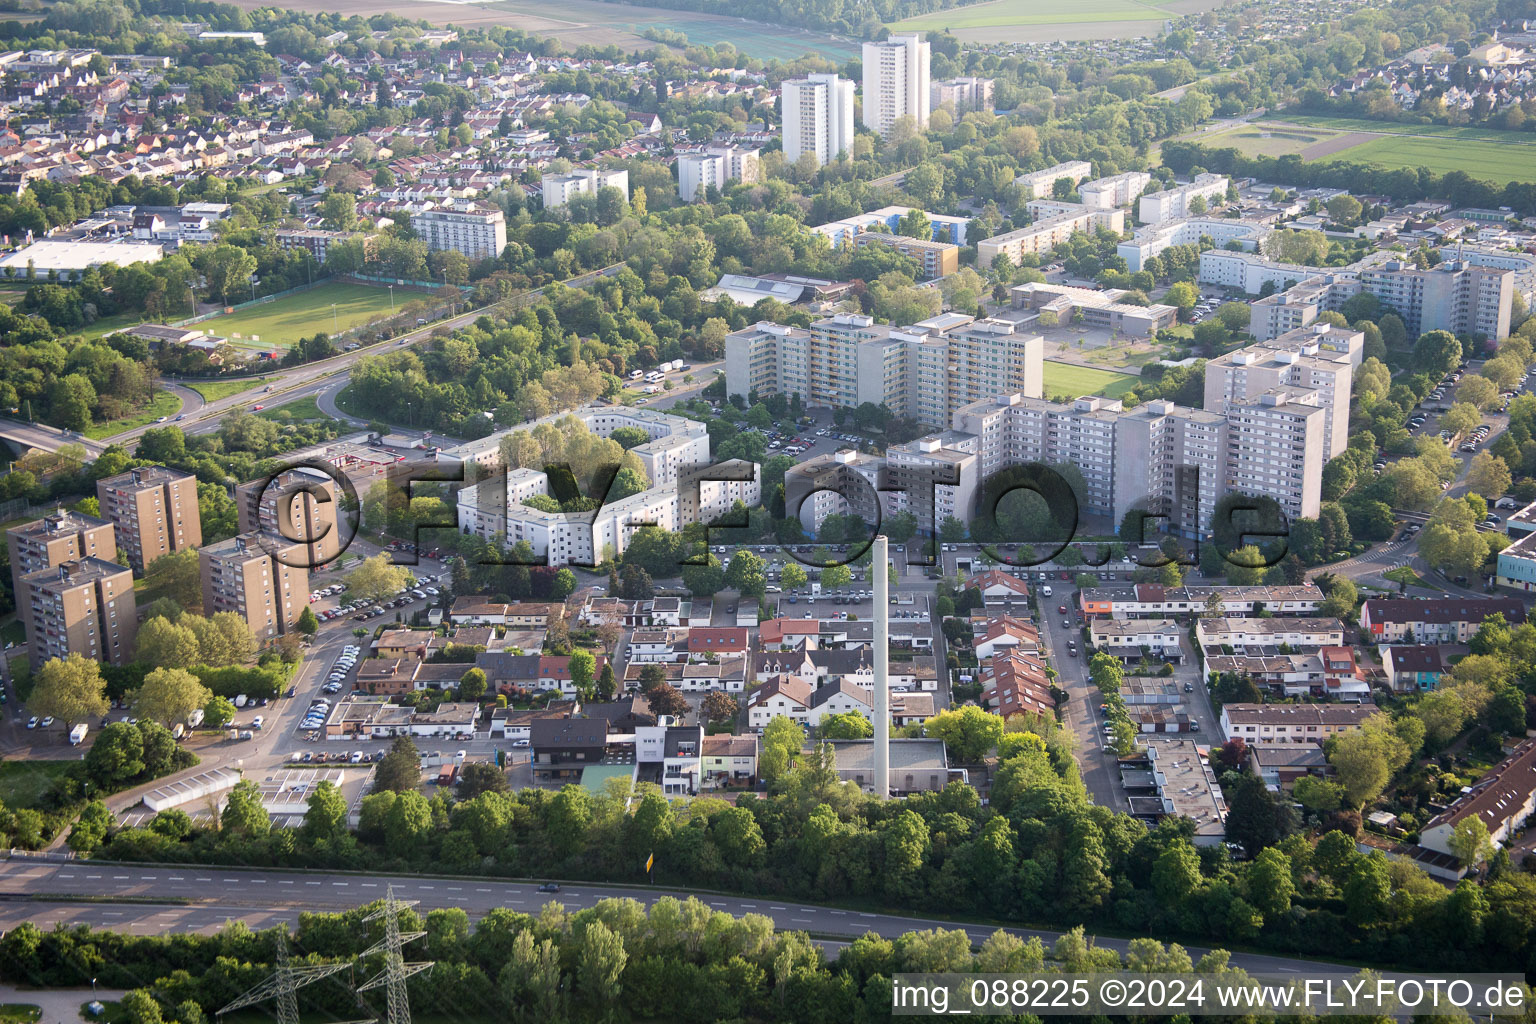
1045, 591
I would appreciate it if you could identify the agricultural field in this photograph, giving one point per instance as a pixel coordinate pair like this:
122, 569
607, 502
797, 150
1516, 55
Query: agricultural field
1026, 20
1073, 380
1364, 124
282, 322
592, 22
1497, 162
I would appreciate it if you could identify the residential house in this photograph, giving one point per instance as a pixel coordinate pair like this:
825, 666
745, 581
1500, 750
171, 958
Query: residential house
1410, 669
1292, 723
1438, 621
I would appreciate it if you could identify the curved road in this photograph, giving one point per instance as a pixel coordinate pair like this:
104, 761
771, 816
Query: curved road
202, 898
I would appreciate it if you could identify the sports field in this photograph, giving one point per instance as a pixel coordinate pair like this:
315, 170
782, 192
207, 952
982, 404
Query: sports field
994, 18
282, 322
1073, 380
1264, 140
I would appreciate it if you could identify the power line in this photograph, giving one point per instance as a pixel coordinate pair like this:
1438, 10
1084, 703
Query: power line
396, 969
285, 982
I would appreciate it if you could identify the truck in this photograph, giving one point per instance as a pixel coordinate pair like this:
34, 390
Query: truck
241, 700
77, 734
651, 389
446, 774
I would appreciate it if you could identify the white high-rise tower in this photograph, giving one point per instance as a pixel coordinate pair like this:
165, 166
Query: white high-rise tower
882, 681
817, 113
896, 82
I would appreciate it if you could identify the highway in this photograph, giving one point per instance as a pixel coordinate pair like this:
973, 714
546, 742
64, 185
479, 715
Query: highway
201, 899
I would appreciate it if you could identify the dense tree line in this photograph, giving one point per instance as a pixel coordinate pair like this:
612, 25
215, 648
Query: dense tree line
1040, 852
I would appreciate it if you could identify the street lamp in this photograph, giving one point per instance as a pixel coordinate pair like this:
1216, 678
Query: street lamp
391, 300
334, 329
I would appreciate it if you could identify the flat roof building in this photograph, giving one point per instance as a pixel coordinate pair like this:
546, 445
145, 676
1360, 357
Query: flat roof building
155, 512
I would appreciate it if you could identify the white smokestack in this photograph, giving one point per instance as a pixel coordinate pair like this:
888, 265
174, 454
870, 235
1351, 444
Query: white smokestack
878, 569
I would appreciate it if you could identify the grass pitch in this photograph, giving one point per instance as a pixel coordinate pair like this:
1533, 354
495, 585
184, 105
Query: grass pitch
281, 323
1074, 381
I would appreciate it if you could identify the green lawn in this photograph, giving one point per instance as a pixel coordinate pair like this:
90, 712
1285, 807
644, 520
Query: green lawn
280, 323
23, 783
297, 411
111, 325
1260, 140
164, 404
1073, 380
20, 1013
995, 13
1497, 162
213, 390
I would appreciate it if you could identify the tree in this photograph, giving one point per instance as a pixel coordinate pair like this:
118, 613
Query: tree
1235, 315
1436, 353
117, 756
338, 211
600, 965
781, 742
1344, 209
227, 269
607, 684
1459, 418
176, 576
834, 576
1270, 884
377, 578
472, 684
746, 573
169, 695
666, 700
308, 624
968, 732
848, 725
218, 713
243, 813
652, 676
1106, 673
719, 708
793, 576
166, 643
400, 771
69, 689
583, 669
1488, 475
1256, 818
1366, 758
704, 580
481, 777
91, 829
1470, 841
1342, 598
325, 815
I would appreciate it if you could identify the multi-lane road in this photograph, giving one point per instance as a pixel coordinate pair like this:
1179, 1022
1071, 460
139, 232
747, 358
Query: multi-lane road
192, 898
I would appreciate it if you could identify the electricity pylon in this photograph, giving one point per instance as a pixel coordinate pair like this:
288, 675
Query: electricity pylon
284, 983
392, 978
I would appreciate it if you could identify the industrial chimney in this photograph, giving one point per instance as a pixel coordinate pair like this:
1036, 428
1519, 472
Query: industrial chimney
880, 573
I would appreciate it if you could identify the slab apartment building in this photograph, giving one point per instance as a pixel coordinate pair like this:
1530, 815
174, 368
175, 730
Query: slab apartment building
84, 606
247, 575
154, 510
45, 544
923, 372
300, 505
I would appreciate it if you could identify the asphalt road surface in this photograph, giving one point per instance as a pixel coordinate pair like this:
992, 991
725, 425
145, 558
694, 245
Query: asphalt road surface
201, 899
